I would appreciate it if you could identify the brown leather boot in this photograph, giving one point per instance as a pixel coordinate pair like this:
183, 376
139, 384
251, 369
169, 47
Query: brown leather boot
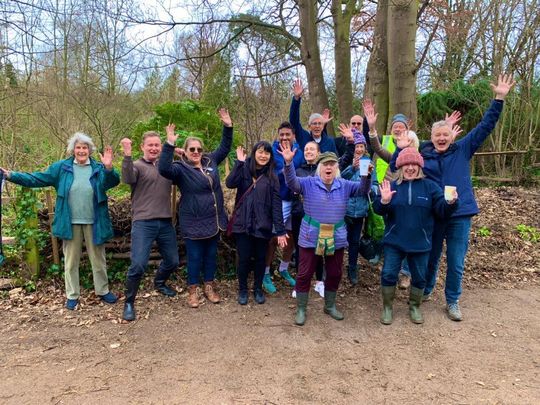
193, 297
210, 292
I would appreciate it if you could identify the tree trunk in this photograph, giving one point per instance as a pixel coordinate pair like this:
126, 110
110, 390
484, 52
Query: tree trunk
311, 56
376, 87
402, 58
342, 56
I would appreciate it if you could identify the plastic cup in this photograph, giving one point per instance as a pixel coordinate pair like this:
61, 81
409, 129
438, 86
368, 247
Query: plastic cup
449, 192
364, 166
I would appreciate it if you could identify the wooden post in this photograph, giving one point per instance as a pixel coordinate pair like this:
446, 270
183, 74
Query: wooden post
54, 240
173, 203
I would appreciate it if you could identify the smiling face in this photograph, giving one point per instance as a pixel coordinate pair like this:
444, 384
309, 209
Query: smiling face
410, 171
262, 157
359, 149
311, 152
442, 138
286, 136
81, 151
151, 148
328, 171
316, 127
398, 129
194, 152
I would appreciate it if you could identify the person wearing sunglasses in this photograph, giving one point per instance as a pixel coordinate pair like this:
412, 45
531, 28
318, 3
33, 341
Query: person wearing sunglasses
201, 212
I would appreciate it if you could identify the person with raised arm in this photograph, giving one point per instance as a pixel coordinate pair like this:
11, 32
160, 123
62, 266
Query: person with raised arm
81, 211
151, 216
323, 234
201, 212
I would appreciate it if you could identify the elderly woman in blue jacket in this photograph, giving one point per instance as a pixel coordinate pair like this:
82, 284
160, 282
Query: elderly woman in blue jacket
81, 211
408, 206
201, 212
447, 163
257, 214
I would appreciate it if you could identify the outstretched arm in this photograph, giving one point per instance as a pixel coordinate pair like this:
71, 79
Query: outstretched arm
224, 147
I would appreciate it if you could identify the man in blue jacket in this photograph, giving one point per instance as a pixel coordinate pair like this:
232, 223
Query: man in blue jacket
448, 163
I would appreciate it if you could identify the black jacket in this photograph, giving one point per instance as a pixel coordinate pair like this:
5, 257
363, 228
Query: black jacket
260, 211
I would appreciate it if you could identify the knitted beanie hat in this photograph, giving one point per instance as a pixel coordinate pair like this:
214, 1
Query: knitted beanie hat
409, 156
358, 137
400, 118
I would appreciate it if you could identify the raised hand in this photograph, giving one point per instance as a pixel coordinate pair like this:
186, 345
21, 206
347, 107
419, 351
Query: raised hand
225, 117
5, 172
503, 86
456, 131
297, 89
241, 154
285, 151
107, 157
346, 132
179, 152
453, 118
403, 140
326, 116
369, 112
126, 146
386, 192
171, 135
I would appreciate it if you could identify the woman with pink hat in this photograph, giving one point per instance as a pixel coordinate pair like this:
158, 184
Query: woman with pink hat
408, 206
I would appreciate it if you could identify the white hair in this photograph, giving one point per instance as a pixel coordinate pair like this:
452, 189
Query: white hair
79, 137
313, 117
439, 124
415, 143
319, 168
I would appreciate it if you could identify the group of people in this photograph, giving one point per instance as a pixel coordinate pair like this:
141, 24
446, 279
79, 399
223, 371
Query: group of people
306, 193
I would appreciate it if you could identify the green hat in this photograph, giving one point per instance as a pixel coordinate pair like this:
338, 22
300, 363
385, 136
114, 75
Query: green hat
327, 157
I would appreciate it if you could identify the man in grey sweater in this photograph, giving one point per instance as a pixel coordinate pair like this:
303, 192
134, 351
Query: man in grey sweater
151, 219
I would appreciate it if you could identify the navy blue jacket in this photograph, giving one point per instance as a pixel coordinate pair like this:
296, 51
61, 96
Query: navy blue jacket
260, 211
409, 216
298, 159
452, 168
201, 212
327, 143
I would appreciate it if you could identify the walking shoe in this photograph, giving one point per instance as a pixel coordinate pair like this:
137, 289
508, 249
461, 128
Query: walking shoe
375, 260
319, 287
453, 312
427, 297
285, 274
259, 296
268, 285
71, 304
193, 297
210, 292
164, 289
404, 282
293, 294
109, 298
353, 275
243, 297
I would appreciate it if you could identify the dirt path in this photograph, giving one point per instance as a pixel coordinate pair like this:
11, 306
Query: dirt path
227, 354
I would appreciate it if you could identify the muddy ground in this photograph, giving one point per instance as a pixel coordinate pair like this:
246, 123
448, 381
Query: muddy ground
228, 354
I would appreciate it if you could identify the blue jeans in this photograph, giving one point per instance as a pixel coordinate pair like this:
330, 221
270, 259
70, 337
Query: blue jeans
143, 234
405, 268
201, 257
354, 230
393, 257
456, 232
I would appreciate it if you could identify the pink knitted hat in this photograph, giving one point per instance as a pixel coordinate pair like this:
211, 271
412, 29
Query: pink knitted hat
409, 156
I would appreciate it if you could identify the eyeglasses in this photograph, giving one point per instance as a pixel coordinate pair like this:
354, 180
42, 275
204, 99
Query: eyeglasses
356, 123
194, 149
317, 124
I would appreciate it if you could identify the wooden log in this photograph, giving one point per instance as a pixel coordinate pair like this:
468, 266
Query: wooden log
496, 179
54, 240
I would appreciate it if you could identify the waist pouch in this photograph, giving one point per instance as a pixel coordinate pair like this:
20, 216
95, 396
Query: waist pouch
326, 245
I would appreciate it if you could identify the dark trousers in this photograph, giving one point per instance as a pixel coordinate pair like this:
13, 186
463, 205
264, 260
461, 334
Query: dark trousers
296, 223
248, 247
201, 257
308, 263
393, 258
354, 230
143, 234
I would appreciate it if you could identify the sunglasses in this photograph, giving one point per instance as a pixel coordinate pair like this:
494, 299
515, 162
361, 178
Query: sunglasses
356, 123
193, 149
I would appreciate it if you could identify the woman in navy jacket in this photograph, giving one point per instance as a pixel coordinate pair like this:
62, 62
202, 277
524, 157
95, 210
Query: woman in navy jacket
201, 212
257, 214
408, 206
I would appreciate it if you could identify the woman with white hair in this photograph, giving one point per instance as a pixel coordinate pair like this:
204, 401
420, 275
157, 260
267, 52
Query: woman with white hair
81, 210
323, 234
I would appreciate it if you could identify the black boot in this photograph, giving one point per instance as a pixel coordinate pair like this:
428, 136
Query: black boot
132, 286
159, 283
